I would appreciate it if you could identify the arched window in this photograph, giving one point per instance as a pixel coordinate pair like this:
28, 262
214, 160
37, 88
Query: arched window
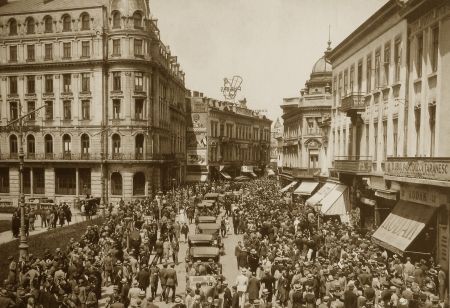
139, 149
85, 22
116, 184
13, 145
48, 139
84, 144
137, 17
116, 20
30, 25
67, 146
67, 23
31, 149
139, 184
116, 145
12, 27
48, 24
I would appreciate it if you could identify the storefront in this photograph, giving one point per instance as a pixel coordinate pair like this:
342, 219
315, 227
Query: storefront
305, 190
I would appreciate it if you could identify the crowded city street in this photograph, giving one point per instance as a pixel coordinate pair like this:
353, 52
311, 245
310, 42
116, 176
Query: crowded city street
263, 251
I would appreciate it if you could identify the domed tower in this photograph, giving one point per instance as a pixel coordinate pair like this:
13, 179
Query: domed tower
129, 7
321, 76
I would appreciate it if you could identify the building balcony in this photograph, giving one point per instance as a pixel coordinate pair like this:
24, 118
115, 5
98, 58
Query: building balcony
305, 173
353, 103
420, 170
353, 164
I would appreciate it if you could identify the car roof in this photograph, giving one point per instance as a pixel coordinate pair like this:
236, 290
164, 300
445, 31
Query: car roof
206, 217
208, 251
209, 226
201, 237
211, 195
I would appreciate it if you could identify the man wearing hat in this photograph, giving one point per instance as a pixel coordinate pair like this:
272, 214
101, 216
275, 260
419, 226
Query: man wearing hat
133, 294
241, 285
163, 279
325, 302
171, 282
227, 296
350, 298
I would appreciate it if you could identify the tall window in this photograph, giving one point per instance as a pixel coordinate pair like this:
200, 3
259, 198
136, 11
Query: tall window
340, 85
49, 110
48, 24
116, 109
85, 110
30, 53
31, 85
13, 53
48, 147
13, 149
85, 49
115, 144
138, 48
67, 144
432, 115
116, 20
397, 59
377, 68
369, 74
13, 85
375, 141
116, 184
139, 149
435, 48
67, 50
139, 109
116, 81
30, 145
67, 110
139, 184
352, 77
387, 62
84, 144
67, 83
48, 83
137, 17
85, 82
384, 140
417, 126
67, 23
13, 27
116, 47
345, 82
31, 106
48, 52
65, 180
419, 55
85, 22
13, 111
4, 180
39, 181
30, 25
395, 136
360, 72
367, 129
138, 82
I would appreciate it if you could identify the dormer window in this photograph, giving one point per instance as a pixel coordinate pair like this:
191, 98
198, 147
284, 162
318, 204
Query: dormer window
116, 20
137, 17
30, 25
85, 22
13, 27
67, 23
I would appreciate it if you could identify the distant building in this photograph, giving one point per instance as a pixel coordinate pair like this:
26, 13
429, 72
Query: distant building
225, 140
113, 98
304, 146
275, 135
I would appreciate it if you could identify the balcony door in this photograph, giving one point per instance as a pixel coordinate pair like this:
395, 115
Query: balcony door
313, 159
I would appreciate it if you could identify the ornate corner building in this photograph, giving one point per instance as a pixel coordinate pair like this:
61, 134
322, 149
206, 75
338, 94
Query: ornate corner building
111, 99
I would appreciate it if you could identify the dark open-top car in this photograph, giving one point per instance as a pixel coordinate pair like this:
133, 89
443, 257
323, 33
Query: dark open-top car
207, 219
208, 228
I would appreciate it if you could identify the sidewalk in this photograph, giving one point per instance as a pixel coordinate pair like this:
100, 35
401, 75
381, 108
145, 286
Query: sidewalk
6, 237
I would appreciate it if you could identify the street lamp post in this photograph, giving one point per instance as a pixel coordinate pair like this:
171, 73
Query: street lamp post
23, 244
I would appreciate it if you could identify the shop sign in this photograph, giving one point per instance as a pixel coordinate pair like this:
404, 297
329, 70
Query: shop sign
443, 246
247, 169
432, 170
368, 201
423, 195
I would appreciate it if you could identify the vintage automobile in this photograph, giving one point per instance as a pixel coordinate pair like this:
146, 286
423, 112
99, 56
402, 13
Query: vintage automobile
205, 254
211, 196
39, 203
207, 208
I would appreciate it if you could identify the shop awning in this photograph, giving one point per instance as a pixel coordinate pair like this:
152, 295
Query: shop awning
306, 188
336, 203
403, 225
289, 186
225, 175
253, 174
196, 178
315, 199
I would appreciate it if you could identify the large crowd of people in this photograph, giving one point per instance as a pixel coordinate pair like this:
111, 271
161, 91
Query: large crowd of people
285, 258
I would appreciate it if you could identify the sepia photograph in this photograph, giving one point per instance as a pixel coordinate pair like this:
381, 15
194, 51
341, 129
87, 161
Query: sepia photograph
224, 154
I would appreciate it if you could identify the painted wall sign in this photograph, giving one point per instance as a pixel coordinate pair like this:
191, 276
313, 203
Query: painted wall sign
433, 170
422, 194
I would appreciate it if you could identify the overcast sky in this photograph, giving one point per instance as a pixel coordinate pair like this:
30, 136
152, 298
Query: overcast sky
272, 44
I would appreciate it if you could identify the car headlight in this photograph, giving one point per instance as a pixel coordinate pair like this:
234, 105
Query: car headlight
215, 242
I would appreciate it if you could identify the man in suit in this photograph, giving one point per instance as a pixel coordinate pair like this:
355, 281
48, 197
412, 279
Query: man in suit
171, 282
163, 279
235, 298
143, 277
350, 298
227, 296
237, 252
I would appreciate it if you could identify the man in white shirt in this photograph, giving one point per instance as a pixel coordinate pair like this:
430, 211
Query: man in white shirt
241, 284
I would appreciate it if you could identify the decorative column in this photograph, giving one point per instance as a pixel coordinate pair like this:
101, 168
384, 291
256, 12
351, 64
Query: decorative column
31, 182
77, 190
